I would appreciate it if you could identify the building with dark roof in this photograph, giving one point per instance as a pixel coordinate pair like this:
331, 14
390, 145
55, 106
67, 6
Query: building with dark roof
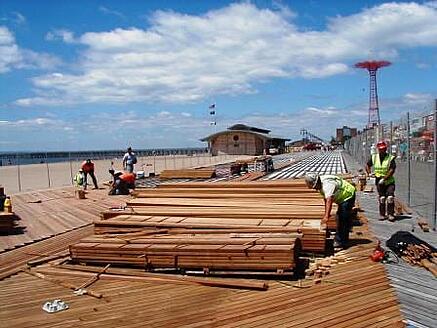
241, 139
345, 133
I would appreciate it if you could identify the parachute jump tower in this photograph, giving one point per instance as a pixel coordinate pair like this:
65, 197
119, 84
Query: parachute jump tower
372, 67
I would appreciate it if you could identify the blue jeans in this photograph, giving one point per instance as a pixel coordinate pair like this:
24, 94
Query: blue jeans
344, 222
130, 168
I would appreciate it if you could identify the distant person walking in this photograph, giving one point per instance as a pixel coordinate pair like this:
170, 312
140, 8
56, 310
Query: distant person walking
403, 149
129, 160
335, 190
384, 167
88, 168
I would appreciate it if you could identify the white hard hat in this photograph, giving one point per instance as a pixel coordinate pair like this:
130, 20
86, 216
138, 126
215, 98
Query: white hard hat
311, 179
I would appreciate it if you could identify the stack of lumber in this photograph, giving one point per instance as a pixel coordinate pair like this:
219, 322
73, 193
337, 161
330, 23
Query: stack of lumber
309, 231
234, 226
204, 173
7, 222
273, 199
254, 206
193, 251
249, 176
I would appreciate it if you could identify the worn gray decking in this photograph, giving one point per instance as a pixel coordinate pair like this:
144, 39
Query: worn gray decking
415, 286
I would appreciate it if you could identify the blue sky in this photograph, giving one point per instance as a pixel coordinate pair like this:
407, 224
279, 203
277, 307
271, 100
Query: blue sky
84, 75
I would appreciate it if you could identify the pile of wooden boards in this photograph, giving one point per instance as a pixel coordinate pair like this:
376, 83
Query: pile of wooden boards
421, 255
203, 173
7, 222
250, 176
193, 251
255, 226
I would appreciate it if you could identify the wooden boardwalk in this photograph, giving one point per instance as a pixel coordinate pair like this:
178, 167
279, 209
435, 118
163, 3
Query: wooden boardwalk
355, 293
46, 213
352, 291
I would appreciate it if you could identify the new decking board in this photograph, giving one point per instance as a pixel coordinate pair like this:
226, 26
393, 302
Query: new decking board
58, 211
14, 260
356, 293
361, 285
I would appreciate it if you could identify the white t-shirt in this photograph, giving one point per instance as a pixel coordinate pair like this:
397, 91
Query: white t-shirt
330, 185
129, 159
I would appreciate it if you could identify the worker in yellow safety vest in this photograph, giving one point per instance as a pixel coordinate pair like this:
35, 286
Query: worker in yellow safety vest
384, 167
79, 179
335, 190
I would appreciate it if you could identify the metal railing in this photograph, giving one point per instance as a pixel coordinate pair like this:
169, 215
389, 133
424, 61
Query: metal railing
46, 173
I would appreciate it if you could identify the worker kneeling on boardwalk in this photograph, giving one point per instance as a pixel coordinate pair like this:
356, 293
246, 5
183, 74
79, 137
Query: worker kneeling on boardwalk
384, 167
335, 190
123, 181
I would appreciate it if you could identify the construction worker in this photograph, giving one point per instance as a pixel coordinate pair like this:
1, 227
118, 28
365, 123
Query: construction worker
129, 160
123, 181
88, 168
335, 190
79, 179
384, 167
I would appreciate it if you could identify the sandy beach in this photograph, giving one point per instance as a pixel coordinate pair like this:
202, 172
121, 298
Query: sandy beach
30, 177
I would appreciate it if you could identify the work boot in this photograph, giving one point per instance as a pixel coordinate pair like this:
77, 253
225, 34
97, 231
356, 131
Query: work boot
391, 218
382, 206
382, 218
337, 246
390, 206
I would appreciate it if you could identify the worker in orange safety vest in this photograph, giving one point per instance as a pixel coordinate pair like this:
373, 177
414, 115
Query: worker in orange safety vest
123, 181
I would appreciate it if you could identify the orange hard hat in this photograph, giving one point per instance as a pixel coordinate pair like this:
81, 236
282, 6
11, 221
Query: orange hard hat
381, 145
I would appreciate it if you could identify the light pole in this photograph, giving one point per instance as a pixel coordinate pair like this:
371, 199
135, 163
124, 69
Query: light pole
154, 162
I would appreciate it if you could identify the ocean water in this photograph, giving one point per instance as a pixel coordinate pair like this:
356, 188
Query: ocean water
23, 158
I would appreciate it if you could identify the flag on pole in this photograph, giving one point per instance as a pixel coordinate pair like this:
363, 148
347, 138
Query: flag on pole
213, 123
212, 112
211, 106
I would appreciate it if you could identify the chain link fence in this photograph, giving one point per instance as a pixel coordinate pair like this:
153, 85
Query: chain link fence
411, 140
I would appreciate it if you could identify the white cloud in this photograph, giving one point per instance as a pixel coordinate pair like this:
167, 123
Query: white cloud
321, 111
384, 29
164, 114
417, 97
423, 65
108, 11
33, 122
185, 58
61, 34
14, 17
18, 18
25, 102
11, 56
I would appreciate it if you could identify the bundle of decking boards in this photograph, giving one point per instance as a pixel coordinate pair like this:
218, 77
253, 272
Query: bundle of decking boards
236, 226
